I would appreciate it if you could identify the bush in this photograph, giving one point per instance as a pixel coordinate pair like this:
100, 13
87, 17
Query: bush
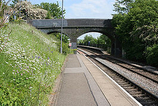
65, 48
152, 55
28, 11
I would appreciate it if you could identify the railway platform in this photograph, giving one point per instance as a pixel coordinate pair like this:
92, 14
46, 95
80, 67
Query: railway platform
84, 84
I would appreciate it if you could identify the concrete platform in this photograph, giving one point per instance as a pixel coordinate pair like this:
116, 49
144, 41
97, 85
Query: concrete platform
83, 84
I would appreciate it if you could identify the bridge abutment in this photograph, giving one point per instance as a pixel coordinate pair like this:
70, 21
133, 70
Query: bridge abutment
116, 48
73, 42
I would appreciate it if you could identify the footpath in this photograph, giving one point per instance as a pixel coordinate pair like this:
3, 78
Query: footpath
81, 86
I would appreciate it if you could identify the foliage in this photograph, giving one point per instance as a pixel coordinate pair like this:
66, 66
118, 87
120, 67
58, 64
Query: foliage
48, 16
26, 10
53, 8
65, 43
101, 42
4, 35
64, 37
29, 65
137, 27
14, 2
122, 6
65, 48
152, 55
89, 40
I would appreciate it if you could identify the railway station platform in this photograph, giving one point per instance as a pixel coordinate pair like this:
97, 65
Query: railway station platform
84, 84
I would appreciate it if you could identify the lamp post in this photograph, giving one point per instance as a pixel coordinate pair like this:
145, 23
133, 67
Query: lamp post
61, 28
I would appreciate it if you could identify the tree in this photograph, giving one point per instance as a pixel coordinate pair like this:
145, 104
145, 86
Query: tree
28, 11
48, 15
89, 40
137, 27
103, 42
122, 6
14, 2
53, 8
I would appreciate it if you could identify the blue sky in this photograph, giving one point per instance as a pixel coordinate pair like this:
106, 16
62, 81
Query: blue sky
84, 8
101, 9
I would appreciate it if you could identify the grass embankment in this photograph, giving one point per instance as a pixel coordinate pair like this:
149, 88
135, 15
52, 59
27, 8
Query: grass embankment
29, 65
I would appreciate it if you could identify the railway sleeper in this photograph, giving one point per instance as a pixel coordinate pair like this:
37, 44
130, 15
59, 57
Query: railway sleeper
136, 93
133, 90
127, 87
139, 95
149, 103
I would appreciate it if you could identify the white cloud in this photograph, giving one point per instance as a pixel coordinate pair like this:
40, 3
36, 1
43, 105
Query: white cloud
91, 9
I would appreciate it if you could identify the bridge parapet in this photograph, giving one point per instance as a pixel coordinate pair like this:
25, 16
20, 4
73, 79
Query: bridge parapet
89, 23
72, 23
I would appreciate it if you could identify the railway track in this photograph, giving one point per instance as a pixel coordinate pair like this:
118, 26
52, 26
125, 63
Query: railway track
141, 84
150, 75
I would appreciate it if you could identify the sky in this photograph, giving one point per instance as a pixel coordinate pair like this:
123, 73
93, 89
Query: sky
98, 9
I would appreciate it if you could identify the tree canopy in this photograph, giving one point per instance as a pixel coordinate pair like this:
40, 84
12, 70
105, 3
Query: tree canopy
53, 9
136, 24
101, 42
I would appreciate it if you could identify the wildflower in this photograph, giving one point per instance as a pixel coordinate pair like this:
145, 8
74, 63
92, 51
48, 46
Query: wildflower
30, 87
3, 73
52, 52
21, 74
26, 78
48, 58
38, 57
13, 70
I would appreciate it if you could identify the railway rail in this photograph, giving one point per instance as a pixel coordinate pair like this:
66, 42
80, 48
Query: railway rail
140, 83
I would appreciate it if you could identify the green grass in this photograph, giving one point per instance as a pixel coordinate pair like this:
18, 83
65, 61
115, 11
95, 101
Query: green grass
29, 65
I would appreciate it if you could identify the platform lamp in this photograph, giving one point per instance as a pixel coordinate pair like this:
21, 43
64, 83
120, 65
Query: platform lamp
61, 27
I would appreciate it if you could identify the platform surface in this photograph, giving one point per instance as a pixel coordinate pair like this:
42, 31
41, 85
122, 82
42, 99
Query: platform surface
83, 84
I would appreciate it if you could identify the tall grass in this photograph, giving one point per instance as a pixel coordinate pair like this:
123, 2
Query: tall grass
29, 65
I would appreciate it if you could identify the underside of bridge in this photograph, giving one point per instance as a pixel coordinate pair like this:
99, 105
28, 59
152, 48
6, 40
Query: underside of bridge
74, 28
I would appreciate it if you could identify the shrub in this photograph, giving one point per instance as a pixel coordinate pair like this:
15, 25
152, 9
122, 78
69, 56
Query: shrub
152, 55
28, 11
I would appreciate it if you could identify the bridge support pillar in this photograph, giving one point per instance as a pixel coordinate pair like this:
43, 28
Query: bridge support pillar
116, 48
73, 42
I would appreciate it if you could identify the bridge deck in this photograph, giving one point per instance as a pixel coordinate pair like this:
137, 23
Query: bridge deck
83, 84
72, 23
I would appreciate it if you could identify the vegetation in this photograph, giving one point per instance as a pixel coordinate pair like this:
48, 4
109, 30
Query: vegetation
54, 10
26, 10
30, 63
136, 25
65, 42
102, 42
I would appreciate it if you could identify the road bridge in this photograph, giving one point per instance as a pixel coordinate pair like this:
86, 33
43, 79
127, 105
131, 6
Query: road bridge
74, 28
